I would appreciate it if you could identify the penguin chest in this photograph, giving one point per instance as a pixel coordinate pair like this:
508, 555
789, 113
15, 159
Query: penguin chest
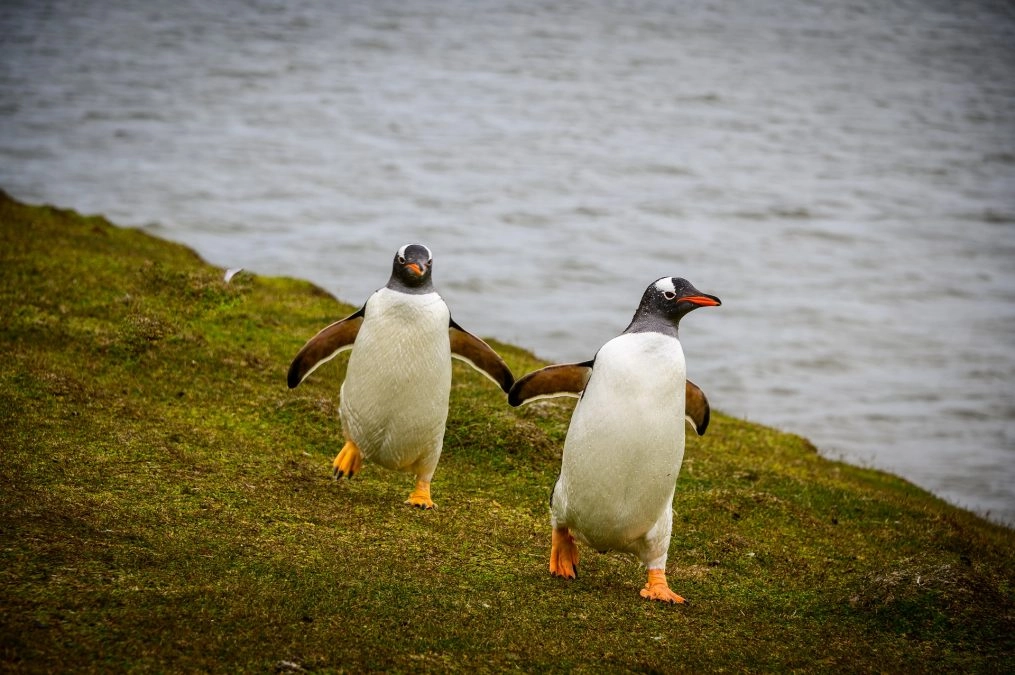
395, 396
625, 443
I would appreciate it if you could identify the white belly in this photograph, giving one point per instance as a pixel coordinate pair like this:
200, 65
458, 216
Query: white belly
625, 445
395, 396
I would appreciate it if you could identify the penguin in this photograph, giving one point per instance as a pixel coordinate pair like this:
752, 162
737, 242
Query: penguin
394, 400
625, 442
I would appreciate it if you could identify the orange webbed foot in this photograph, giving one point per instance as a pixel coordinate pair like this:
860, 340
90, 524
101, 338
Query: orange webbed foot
420, 496
656, 588
348, 461
563, 554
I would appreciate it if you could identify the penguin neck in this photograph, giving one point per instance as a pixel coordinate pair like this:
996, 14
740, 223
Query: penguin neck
645, 322
396, 284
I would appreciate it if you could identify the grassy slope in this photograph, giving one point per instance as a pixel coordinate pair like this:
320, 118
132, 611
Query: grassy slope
166, 503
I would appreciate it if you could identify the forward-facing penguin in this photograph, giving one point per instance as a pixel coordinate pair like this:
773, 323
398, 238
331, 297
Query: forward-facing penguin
394, 401
625, 443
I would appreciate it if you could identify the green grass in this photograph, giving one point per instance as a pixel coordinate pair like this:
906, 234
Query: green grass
166, 503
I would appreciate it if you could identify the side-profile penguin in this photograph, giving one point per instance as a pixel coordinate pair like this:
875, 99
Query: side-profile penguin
625, 443
394, 400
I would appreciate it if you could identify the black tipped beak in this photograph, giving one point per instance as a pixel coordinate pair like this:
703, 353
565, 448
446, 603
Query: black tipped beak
415, 268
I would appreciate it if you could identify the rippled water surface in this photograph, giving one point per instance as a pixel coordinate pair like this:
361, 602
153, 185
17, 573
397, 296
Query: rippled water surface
841, 174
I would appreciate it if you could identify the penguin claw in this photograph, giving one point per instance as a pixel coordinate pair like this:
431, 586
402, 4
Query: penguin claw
656, 588
563, 554
348, 461
663, 595
420, 496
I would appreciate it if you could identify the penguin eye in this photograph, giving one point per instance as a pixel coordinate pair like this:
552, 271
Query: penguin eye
401, 260
669, 295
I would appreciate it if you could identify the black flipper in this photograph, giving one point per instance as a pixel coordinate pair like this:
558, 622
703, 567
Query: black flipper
469, 348
567, 379
696, 409
324, 346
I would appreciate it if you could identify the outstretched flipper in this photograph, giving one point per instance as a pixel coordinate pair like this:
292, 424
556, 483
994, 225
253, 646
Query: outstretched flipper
568, 379
696, 409
469, 348
324, 346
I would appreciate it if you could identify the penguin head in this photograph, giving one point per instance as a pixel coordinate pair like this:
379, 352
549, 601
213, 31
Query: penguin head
666, 301
410, 270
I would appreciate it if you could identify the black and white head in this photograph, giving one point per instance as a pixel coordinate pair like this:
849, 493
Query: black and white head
410, 270
664, 304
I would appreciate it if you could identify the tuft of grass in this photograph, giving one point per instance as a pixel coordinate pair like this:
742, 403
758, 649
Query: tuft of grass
166, 504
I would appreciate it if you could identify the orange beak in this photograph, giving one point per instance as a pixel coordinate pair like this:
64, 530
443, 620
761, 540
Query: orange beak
415, 268
701, 300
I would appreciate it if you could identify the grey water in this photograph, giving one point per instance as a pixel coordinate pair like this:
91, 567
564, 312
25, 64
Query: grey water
840, 173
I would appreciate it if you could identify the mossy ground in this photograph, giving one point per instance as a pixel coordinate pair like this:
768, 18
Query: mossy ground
166, 503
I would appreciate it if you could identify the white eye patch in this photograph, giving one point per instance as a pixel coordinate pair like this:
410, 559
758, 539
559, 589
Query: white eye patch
665, 285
